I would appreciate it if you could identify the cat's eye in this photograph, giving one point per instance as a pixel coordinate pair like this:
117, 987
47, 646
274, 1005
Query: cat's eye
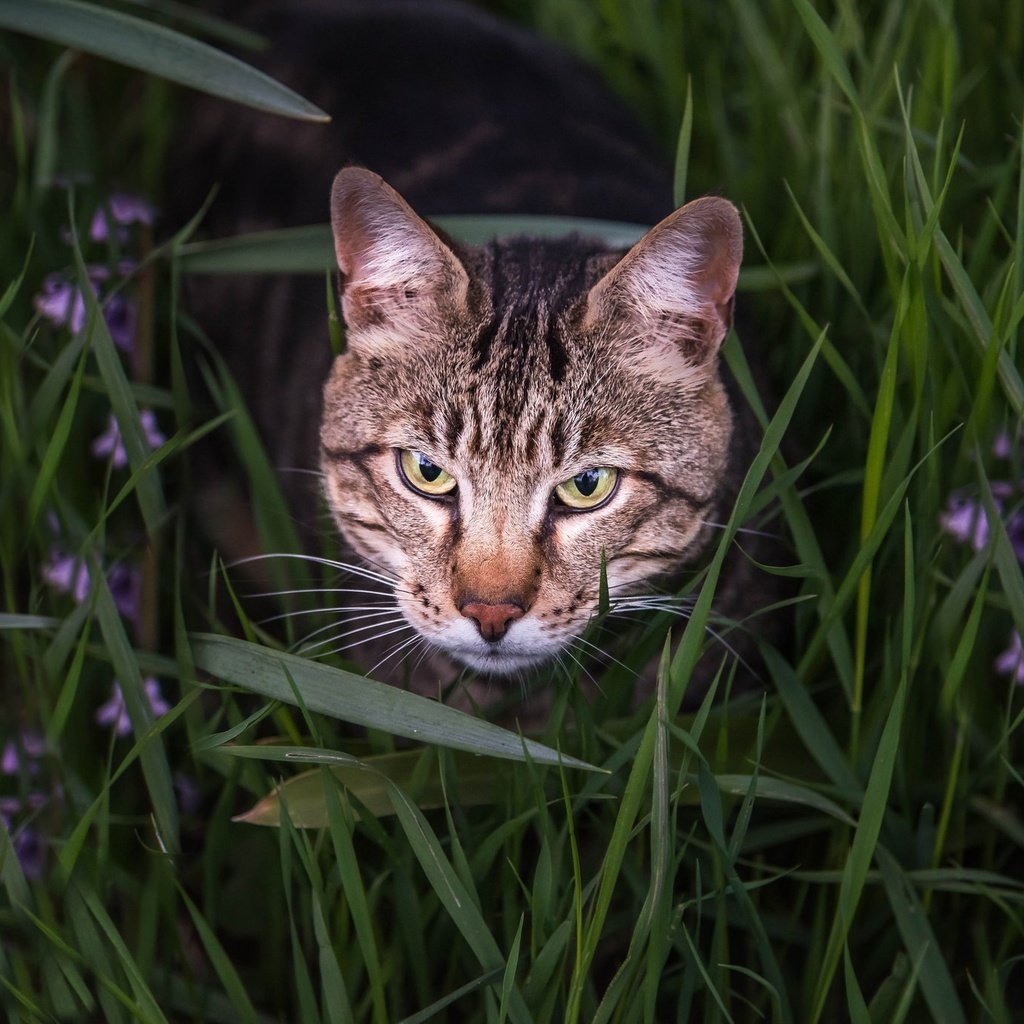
588, 489
423, 475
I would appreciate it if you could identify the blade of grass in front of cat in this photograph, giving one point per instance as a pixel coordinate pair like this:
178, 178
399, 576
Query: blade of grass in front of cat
688, 651
364, 701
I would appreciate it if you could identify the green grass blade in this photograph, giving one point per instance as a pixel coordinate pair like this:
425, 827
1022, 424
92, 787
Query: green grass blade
364, 702
156, 50
55, 449
457, 901
862, 849
122, 400
763, 788
355, 893
683, 149
921, 943
153, 757
828, 48
12, 289
234, 987
810, 725
429, 1013
310, 249
511, 967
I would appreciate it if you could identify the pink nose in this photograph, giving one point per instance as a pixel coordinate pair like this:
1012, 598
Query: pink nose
492, 619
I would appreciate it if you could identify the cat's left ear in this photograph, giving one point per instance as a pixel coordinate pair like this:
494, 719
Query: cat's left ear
397, 274
676, 285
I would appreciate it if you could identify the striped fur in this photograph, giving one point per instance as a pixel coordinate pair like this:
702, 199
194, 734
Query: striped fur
516, 366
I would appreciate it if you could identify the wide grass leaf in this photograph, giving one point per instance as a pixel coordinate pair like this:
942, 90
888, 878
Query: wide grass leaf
310, 249
305, 795
363, 701
156, 50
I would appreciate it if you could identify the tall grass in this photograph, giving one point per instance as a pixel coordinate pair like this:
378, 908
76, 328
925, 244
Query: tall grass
848, 846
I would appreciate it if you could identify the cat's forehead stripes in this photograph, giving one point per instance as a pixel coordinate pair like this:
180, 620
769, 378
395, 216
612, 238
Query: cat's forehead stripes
522, 365
529, 285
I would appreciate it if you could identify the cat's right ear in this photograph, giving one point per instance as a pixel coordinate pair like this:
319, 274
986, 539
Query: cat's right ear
398, 278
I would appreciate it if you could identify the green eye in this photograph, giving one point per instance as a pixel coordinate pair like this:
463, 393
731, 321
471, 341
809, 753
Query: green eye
588, 489
423, 475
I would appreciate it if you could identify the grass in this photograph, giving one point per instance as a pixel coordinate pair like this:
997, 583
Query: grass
848, 847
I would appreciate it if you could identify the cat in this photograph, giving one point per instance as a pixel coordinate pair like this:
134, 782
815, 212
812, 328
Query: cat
509, 421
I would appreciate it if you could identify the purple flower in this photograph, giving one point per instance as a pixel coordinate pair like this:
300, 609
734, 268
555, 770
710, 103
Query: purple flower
125, 582
30, 850
1011, 661
28, 844
965, 520
122, 209
26, 841
61, 303
110, 443
121, 318
1008, 442
115, 714
67, 575
31, 745
1015, 531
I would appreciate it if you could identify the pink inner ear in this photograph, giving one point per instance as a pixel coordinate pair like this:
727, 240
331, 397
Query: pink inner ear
383, 246
722, 250
676, 285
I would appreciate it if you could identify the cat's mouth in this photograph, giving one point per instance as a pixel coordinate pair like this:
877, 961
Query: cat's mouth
524, 646
495, 660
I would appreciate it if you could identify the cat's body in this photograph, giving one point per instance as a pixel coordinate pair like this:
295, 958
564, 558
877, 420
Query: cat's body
509, 417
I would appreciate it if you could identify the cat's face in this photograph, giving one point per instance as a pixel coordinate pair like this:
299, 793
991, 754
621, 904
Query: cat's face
508, 418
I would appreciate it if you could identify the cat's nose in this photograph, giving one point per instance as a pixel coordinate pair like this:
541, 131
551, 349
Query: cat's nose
492, 619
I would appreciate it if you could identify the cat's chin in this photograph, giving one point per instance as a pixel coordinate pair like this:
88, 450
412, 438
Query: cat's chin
497, 662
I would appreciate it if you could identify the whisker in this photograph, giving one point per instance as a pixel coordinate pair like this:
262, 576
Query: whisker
741, 529
629, 618
391, 606
361, 641
330, 563
320, 590
427, 648
335, 623
401, 645
654, 608
667, 599
400, 622
583, 668
604, 654
720, 638
405, 657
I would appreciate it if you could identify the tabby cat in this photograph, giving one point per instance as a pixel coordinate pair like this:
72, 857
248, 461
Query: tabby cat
507, 418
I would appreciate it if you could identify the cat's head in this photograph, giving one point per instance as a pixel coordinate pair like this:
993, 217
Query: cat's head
508, 417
